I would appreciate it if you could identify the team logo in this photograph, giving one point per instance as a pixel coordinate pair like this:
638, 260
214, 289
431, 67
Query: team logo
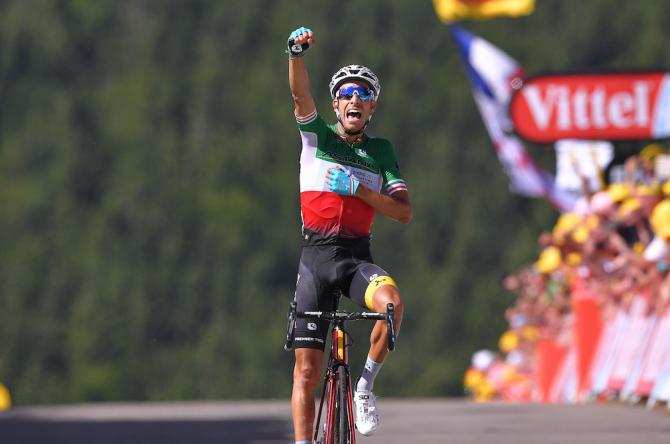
311, 326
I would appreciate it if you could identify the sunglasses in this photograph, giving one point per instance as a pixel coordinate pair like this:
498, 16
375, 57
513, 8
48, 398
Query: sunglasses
348, 92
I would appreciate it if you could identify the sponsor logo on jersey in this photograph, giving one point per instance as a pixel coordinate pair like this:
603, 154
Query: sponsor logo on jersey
351, 160
311, 326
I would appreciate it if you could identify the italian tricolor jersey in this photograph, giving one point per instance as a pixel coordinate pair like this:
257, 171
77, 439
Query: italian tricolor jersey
369, 159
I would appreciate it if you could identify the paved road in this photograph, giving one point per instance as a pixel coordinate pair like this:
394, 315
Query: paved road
404, 421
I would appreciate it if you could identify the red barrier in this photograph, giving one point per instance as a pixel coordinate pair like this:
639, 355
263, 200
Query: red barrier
548, 359
587, 329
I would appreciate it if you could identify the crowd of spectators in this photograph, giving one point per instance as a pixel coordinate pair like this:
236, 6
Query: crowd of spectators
615, 244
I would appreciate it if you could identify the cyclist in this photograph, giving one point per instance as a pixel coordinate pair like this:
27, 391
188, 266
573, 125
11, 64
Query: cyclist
342, 173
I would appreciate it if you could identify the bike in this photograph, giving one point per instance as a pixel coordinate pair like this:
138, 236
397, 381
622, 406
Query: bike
338, 426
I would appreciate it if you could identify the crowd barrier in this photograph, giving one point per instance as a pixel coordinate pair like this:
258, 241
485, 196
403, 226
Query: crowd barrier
609, 352
604, 350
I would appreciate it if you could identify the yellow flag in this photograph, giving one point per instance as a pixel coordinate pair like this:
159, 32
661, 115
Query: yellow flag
453, 10
5, 398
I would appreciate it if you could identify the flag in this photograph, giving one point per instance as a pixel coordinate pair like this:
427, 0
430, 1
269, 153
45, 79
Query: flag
453, 10
494, 75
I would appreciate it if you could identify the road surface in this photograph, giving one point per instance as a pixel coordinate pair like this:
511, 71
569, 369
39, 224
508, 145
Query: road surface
415, 421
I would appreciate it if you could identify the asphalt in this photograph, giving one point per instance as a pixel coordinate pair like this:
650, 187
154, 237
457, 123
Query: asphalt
414, 421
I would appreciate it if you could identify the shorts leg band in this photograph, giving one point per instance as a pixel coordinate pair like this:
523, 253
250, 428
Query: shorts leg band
374, 285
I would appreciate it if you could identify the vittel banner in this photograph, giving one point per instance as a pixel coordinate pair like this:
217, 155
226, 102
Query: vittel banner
611, 106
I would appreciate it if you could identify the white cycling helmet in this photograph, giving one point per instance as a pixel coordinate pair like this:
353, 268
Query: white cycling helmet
354, 72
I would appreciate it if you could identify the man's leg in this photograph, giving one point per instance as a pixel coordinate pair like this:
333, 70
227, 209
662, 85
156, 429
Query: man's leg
367, 417
378, 337
306, 375
382, 296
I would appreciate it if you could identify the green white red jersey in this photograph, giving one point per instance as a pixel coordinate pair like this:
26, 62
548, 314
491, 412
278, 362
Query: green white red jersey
370, 160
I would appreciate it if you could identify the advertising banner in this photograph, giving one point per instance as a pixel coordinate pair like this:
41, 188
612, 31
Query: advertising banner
607, 106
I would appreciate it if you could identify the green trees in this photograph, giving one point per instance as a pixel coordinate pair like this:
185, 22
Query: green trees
149, 187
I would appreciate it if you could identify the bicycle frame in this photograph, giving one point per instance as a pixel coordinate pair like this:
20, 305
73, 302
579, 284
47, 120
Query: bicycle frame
337, 369
337, 361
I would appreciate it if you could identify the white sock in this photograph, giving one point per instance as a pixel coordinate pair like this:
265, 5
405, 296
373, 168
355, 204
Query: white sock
303, 442
367, 379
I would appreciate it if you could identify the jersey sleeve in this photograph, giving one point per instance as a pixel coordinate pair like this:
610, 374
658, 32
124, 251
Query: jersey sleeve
393, 181
313, 123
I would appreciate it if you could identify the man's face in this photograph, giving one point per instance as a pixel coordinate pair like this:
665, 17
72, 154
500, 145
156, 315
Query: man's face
352, 105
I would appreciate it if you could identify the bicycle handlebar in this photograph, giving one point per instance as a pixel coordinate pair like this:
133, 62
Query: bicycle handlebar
342, 316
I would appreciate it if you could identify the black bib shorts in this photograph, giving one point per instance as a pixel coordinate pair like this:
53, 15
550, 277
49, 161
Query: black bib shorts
329, 265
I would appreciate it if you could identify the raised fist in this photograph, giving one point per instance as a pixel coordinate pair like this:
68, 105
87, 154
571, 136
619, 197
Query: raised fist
299, 41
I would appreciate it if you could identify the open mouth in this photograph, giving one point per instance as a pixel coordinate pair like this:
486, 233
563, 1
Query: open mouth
353, 114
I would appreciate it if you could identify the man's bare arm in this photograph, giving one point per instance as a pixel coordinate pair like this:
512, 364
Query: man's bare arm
397, 206
298, 80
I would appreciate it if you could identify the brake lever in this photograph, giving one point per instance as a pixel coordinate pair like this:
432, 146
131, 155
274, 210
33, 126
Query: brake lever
290, 327
390, 326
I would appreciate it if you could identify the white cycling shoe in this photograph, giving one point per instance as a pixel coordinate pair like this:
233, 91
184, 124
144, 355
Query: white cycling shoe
367, 417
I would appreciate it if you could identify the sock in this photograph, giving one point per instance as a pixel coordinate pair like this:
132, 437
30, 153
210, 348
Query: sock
303, 442
367, 379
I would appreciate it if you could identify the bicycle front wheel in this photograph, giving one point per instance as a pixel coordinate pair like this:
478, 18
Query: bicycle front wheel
342, 409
